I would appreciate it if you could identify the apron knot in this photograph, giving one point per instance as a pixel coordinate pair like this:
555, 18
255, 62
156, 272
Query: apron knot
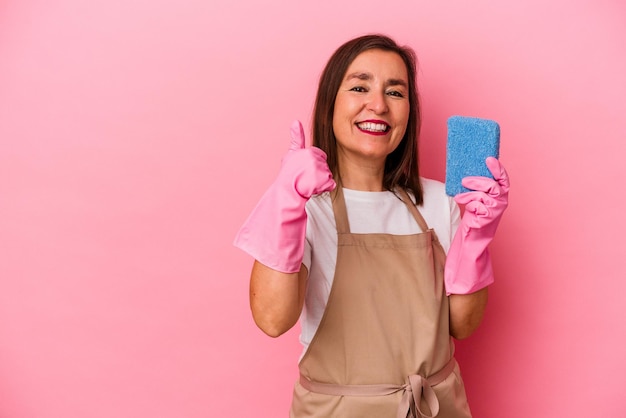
416, 389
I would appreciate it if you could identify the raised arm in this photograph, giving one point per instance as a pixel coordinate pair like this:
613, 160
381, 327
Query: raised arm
274, 235
468, 269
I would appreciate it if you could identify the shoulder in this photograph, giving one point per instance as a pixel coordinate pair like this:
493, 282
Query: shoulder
435, 193
319, 209
438, 206
433, 187
319, 202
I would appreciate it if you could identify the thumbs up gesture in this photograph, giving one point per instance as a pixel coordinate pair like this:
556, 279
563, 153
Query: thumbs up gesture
306, 168
274, 232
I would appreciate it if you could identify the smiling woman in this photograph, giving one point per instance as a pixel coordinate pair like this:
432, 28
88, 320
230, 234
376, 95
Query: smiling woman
353, 242
401, 163
370, 118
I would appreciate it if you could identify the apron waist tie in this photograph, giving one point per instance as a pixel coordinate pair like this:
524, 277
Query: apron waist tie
416, 388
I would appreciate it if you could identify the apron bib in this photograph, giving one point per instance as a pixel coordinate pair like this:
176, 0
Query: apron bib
383, 347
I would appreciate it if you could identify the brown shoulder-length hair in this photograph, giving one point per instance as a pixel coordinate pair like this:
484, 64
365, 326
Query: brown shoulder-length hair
401, 166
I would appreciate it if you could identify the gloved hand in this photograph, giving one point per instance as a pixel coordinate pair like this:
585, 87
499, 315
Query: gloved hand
468, 264
274, 233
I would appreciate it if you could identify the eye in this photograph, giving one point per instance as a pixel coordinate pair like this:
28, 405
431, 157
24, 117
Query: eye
358, 89
395, 93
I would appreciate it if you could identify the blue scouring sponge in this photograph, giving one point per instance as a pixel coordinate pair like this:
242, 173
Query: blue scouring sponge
470, 142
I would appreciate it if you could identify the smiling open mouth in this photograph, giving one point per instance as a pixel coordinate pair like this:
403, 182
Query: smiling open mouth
373, 127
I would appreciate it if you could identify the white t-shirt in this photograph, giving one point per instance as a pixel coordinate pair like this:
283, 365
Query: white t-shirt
368, 212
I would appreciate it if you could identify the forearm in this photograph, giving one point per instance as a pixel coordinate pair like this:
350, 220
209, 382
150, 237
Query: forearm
276, 298
466, 313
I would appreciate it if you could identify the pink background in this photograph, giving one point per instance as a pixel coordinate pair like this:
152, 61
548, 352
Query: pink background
136, 136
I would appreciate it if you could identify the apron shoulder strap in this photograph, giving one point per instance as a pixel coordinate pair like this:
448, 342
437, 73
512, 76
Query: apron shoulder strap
341, 214
339, 210
422, 223
404, 196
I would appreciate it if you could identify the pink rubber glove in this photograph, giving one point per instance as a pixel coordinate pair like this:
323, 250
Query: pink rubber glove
274, 232
468, 264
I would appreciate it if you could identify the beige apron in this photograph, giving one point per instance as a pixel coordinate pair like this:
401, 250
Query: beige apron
383, 347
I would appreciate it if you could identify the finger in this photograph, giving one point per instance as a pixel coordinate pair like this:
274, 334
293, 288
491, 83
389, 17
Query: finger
329, 185
464, 198
498, 171
297, 136
482, 184
477, 208
326, 181
318, 153
468, 197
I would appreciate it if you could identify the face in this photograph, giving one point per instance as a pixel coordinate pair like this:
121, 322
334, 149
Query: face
372, 107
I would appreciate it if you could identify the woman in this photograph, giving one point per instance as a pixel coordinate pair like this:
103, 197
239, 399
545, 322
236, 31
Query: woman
351, 239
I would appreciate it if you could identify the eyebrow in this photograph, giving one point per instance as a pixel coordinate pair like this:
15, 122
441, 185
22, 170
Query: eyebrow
396, 82
368, 76
360, 76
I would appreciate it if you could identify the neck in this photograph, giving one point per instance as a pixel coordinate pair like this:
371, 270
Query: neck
361, 175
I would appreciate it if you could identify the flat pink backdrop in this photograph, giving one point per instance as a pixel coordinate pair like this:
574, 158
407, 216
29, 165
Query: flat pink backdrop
136, 136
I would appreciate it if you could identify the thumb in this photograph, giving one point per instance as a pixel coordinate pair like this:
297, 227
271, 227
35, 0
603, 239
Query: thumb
297, 136
498, 172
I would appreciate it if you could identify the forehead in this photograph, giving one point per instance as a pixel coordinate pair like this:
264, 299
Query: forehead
378, 63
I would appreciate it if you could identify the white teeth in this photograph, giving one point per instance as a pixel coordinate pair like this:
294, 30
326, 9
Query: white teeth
373, 127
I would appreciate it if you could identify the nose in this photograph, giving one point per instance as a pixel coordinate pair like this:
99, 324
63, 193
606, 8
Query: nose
378, 103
